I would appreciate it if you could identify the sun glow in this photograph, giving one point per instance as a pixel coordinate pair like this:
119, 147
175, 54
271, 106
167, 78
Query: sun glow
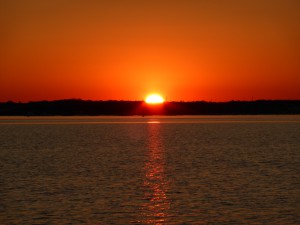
154, 99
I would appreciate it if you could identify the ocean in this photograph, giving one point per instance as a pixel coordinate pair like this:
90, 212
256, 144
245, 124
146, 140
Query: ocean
150, 170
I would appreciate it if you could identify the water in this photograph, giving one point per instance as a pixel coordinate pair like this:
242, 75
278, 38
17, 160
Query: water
151, 170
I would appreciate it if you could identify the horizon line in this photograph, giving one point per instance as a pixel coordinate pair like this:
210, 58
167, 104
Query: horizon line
115, 100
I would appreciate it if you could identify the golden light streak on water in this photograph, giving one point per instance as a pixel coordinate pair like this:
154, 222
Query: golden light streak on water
157, 205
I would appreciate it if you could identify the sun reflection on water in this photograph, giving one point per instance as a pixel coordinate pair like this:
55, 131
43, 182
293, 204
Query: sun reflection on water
156, 208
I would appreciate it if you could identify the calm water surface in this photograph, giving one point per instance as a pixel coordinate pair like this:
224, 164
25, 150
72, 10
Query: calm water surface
150, 170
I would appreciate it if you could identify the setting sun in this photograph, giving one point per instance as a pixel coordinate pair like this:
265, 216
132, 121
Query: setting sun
154, 99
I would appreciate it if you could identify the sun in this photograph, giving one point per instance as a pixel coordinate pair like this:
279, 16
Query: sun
154, 99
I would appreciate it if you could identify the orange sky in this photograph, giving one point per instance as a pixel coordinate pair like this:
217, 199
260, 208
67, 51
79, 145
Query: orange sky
213, 50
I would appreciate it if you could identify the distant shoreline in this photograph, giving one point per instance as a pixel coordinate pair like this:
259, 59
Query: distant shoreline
77, 107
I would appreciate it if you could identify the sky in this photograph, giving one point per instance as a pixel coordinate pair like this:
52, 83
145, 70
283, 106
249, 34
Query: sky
185, 50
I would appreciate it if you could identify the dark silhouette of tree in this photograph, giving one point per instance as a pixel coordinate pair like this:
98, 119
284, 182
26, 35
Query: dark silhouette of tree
70, 107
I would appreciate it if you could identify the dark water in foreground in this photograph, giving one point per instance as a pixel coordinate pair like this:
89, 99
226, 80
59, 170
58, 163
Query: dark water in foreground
152, 170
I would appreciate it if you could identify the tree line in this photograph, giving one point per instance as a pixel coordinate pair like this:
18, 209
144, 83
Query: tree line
70, 107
